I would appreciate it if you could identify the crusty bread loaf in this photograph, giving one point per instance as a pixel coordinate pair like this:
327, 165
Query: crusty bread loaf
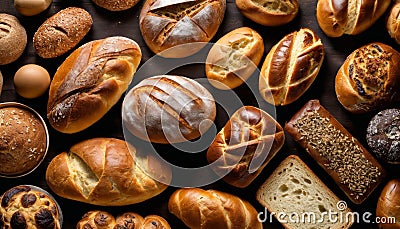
293, 191
338, 17
116, 5
13, 39
1, 83
342, 156
234, 57
290, 67
90, 81
269, 12
393, 22
389, 204
168, 109
107, 172
369, 79
31, 7
203, 209
61, 32
250, 137
165, 24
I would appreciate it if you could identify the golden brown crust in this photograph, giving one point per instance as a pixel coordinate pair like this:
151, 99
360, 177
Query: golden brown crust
201, 209
269, 13
250, 136
389, 204
103, 171
234, 57
393, 22
90, 81
166, 24
154, 222
61, 32
337, 152
116, 5
291, 67
13, 39
368, 79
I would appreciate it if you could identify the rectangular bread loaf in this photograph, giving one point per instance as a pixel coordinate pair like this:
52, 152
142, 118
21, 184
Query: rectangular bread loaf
342, 156
299, 199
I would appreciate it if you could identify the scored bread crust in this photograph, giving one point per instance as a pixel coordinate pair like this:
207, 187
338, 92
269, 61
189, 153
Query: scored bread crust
90, 81
264, 15
13, 38
203, 209
106, 172
277, 195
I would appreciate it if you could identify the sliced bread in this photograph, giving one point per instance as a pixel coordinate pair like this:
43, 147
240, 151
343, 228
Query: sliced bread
299, 199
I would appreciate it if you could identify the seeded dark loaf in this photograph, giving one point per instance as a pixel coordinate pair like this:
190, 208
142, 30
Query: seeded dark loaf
342, 156
116, 5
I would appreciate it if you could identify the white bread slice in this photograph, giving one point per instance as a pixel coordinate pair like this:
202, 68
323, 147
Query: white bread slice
293, 189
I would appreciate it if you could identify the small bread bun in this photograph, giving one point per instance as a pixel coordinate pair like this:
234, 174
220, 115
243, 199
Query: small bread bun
13, 39
393, 23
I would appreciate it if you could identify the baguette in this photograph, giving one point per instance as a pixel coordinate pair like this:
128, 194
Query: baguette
294, 190
342, 156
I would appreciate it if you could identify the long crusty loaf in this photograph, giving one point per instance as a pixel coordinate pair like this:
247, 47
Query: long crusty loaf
294, 189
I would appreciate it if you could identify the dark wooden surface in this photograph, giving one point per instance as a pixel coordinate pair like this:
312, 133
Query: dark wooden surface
126, 23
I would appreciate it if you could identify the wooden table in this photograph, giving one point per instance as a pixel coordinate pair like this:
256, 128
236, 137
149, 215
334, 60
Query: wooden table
126, 24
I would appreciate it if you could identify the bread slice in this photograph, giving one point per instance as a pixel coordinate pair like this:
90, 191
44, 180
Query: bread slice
299, 199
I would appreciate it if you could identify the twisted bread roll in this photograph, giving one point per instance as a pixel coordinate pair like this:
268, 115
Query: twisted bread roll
338, 17
107, 172
202, 209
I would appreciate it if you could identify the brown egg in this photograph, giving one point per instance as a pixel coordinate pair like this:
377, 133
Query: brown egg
389, 205
31, 81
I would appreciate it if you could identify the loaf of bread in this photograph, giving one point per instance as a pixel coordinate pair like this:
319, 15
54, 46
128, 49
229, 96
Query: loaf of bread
13, 39
290, 67
29, 207
342, 156
31, 7
389, 204
393, 22
90, 81
168, 109
338, 17
269, 12
234, 57
293, 191
107, 172
1, 83
165, 24
244, 146
116, 5
203, 209
61, 32
369, 79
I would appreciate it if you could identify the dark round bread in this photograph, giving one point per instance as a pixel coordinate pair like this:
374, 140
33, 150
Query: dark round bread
383, 135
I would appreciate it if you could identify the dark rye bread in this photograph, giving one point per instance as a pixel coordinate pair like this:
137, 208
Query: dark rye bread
342, 156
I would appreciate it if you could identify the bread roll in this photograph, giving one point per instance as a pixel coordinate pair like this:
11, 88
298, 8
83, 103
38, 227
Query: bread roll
393, 22
116, 5
269, 12
369, 79
31, 7
13, 39
201, 209
106, 172
250, 136
61, 32
234, 57
290, 67
389, 204
168, 109
342, 156
165, 24
338, 17
90, 81
154, 222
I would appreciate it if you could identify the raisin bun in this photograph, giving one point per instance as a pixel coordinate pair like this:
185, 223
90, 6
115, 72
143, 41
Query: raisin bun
383, 135
30, 207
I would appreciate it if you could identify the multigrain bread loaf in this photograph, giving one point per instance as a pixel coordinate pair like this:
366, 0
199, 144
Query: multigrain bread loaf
290, 67
293, 190
168, 109
393, 22
342, 156
389, 204
244, 146
234, 57
369, 79
269, 12
338, 17
107, 172
203, 209
61, 32
116, 5
13, 39
165, 24
90, 81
